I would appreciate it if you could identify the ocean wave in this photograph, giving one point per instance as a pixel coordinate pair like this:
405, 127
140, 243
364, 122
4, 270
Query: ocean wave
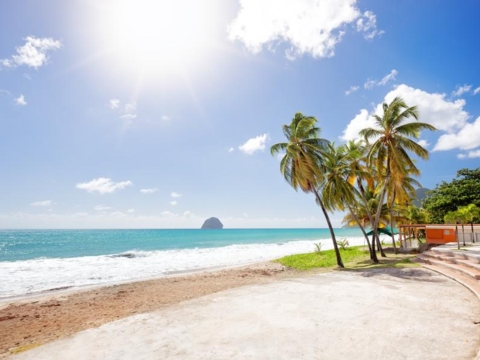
38, 275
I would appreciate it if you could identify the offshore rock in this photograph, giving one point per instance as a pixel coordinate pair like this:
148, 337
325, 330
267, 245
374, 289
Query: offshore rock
212, 223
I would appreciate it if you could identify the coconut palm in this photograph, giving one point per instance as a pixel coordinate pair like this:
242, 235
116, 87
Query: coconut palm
401, 190
337, 192
469, 213
301, 165
452, 217
355, 152
389, 151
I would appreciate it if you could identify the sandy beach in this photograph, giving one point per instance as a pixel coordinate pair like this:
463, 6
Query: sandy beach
39, 320
388, 313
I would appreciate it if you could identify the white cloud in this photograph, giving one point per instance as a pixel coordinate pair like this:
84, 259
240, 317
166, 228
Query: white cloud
467, 138
126, 112
165, 118
42, 203
470, 154
33, 53
476, 91
254, 144
21, 100
114, 104
231, 149
6, 92
103, 185
423, 143
102, 208
368, 25
448, 117
384, 81
175, 195
460, 90
352, 89
361, 121
173, 202
433, 108
148, 191
308, 27
130, 211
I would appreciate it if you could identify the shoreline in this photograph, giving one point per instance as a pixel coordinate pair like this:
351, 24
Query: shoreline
34, 321
41, 276
68, 290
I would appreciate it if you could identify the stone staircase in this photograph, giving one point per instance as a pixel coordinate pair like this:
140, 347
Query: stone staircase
462, 265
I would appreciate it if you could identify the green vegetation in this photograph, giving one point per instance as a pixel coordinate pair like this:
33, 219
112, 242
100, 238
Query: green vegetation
372, 182
343, 244
354, 258
449, 196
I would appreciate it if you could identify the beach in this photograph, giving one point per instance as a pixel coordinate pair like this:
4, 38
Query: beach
55, 315
261, 311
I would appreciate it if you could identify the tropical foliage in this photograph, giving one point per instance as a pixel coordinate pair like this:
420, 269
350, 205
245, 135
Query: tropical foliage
373, 182
449, 196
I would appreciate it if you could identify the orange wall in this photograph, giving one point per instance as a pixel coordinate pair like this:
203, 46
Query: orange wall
440, 236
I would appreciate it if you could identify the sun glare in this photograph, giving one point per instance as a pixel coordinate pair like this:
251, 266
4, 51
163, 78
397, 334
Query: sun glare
157, 38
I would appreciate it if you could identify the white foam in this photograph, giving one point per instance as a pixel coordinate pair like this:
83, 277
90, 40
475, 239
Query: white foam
32, 276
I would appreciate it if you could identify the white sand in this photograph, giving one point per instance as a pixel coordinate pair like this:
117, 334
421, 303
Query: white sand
375, 314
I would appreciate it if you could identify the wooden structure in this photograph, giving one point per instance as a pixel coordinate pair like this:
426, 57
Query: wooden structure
437, 234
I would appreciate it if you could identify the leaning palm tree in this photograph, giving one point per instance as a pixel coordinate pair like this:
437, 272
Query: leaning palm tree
389, 151
337, 192
301, 165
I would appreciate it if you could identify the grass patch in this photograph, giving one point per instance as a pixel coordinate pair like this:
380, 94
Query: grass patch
355, 257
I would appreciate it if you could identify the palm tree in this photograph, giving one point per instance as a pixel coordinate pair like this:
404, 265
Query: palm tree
401, 190
389, 151
301, 165
452, 217
356, 159
337, 192
469, 213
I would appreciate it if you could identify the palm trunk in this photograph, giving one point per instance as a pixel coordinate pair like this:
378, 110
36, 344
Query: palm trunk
373, 254
380, 247
377, 218
361, 227
473, 232
463, 234
332, 233
391, 223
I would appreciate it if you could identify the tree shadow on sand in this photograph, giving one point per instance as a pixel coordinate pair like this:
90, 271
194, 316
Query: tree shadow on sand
403, 269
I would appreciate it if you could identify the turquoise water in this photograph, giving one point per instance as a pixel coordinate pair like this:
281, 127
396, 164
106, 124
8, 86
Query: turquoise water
35, 244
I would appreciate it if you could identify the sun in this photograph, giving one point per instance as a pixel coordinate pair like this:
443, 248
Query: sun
157, 38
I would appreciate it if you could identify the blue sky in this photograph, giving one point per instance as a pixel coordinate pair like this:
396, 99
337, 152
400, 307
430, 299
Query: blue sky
159, 114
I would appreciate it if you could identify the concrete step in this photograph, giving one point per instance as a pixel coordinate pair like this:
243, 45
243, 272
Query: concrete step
467, 254
472, 284
458, 267
468, 263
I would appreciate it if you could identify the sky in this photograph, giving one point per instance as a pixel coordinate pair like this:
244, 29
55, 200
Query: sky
160, 114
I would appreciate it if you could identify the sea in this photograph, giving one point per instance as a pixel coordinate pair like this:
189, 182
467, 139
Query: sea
36, 261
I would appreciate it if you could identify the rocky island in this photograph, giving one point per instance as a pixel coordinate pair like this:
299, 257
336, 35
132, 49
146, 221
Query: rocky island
212, 223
